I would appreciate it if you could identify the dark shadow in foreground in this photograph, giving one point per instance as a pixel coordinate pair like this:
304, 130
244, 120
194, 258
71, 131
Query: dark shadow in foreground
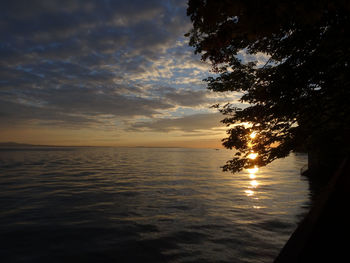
323, 234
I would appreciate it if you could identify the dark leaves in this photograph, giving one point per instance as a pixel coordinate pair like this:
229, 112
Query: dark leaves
299, 98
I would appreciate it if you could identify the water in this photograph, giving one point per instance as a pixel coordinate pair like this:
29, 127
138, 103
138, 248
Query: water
144, 205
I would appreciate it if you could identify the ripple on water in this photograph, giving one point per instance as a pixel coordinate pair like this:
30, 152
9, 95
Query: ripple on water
144, 205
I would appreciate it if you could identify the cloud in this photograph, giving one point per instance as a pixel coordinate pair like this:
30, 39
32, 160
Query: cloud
188, 97
190, 123
260, 58
24, 113
74, 105
42, 30
88, 106
98, 63
184, 97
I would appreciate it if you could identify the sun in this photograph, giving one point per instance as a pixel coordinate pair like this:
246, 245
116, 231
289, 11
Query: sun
252, 135
252, 155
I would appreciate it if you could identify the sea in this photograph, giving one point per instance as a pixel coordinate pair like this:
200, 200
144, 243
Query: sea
105, 204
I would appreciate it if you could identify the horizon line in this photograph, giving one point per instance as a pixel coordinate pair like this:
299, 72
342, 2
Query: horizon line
18, 144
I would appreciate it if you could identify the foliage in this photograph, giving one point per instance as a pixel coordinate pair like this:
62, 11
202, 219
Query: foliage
300, 96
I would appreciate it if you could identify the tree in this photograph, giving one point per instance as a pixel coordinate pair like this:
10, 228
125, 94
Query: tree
300, 97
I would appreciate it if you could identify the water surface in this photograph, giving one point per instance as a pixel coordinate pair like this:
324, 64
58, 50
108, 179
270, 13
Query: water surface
144, 205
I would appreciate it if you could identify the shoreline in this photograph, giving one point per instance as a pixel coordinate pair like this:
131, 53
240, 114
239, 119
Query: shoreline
321, 233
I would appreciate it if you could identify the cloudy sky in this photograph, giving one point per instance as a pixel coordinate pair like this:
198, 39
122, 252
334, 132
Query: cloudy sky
103, 72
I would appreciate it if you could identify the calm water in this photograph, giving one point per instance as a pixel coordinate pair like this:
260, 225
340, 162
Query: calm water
144, 205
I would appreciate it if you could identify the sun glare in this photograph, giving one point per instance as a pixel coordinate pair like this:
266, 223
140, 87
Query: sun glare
253, 170
254, 183
252, 176
252, 135
249, 192
252, 155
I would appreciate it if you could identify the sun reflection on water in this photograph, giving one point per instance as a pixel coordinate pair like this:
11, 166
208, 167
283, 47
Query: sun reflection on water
254, 170
252, 176
253, 183
249, 192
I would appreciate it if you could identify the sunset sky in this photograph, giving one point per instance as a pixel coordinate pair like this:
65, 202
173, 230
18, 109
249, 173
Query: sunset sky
117, 73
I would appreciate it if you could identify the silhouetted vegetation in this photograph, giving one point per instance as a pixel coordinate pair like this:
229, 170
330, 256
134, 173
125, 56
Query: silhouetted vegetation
299, 97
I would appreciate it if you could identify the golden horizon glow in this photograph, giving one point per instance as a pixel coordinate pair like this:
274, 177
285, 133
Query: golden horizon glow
93, 137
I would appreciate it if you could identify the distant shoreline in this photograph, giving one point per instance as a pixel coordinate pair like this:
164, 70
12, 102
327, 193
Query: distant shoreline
19, 145
4, 145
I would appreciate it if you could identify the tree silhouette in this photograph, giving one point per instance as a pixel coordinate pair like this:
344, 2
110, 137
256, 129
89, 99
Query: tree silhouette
299, 98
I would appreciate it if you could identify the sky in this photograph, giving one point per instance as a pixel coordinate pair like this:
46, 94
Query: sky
107, 73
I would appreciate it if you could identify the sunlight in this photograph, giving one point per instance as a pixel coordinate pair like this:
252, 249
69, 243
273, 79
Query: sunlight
252, 155
249, 192
252, 176
254, 183
253, 170
252, 135
250, 145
